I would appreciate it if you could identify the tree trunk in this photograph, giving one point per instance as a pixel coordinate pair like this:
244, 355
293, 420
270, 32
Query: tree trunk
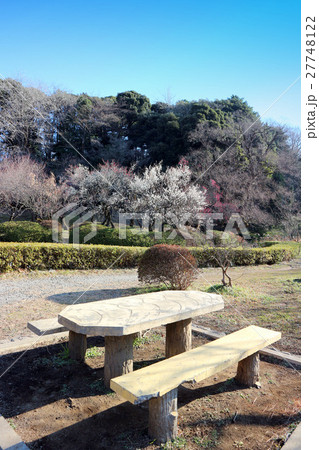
162, 424
107, 218
223, 279
229, 280
226, 275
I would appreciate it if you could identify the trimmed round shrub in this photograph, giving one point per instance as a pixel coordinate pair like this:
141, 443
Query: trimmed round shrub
24, 231
172, 265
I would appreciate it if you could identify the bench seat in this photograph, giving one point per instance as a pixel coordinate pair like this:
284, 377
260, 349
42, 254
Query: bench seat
159, 382
46, 326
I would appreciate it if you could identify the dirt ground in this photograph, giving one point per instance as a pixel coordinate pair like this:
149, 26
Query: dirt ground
55, 403
268, 296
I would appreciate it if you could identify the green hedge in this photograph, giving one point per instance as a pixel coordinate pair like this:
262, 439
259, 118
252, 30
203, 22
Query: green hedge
110, 236
269, 243
25, 231
248, 256
38, 256
44, 256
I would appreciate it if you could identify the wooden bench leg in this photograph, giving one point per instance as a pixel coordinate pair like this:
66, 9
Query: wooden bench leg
248, 371
162, 424
178, 337
118, 356
77, 346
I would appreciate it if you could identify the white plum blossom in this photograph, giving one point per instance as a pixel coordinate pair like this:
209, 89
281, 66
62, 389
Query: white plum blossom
168, 194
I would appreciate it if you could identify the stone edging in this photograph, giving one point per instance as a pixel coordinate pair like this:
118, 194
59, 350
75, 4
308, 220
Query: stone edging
28, 343
9, 439
294, 441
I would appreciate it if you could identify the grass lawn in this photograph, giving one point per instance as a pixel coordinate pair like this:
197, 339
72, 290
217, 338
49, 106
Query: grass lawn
267, 296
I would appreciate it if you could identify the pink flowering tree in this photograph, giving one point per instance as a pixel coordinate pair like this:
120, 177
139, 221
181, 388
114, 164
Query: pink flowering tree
216, 204
25, 186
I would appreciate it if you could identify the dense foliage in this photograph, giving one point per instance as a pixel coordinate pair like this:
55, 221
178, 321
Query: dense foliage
45, 256
26, 231
255, 166
172, 265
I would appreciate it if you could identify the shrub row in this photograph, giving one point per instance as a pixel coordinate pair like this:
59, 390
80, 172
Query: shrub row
26, 231
45, 256
206, 257
110, 236
38, 256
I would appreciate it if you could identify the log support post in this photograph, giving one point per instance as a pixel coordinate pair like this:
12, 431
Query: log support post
248, 371
178, 337
77, 346
162, 424
118, 356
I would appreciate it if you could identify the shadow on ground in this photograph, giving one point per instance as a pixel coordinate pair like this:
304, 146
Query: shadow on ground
56, 404
117, 428
68, 298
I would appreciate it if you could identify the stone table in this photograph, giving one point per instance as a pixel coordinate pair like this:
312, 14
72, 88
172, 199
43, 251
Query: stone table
120, 319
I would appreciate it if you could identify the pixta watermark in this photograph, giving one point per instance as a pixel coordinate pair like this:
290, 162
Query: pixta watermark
156, 223
67, 221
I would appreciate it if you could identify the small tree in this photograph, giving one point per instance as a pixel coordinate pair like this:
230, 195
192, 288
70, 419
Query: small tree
172, 265
45, 196
223, 258
24, 185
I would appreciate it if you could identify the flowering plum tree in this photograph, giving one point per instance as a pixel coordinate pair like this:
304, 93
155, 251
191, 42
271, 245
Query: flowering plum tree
168, 194
105, 189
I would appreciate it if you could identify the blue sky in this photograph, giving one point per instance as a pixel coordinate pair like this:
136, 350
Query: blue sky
199, 49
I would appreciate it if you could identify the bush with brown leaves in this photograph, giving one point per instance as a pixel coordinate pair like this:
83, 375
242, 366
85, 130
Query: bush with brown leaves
172, 265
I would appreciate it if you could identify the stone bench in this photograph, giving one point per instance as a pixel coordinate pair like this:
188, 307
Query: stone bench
77, 347
158, 382
46, 326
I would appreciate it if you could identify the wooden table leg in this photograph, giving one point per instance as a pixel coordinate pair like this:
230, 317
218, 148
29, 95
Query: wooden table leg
248, 371
77, 346
178, 337
118, 356
162, 422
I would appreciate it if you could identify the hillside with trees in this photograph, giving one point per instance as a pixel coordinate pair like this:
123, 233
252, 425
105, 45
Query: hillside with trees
219, 154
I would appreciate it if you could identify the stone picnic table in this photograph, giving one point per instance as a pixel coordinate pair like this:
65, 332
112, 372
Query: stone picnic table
119, 320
